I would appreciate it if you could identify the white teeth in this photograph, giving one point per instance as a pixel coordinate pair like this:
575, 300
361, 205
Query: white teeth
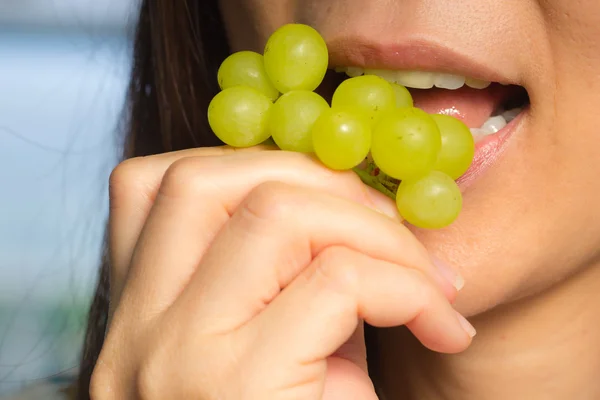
416, 79
354, 71
494, 124
412, 79
489, 127
511, 114
449, 81
477, 83
387, 74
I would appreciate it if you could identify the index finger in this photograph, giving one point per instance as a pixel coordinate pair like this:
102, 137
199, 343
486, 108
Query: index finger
132, 189
201, 186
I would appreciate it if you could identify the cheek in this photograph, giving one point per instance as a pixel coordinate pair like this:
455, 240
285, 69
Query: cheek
573, 32
541, 223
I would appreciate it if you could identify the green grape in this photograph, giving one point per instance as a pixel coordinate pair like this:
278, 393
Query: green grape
406, 143
341, 138
458, 147
432, 201
292, 117
246, 68
368, 94
296, 58
238, 116
403, 96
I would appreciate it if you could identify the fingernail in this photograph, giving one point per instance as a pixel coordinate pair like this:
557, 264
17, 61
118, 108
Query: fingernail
383, 203
449, 273
466, 325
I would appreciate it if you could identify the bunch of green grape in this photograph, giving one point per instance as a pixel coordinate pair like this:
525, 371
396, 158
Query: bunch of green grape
371, 125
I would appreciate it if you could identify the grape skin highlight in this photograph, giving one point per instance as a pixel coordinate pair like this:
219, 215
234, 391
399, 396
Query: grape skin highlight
296, 58
432, 202
406, 143
341, 139
458, 146
369, 94
246, 68
292, 117
238, 116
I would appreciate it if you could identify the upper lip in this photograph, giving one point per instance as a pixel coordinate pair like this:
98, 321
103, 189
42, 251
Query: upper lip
415, 54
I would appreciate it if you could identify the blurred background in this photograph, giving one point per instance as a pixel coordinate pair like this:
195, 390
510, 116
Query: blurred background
64, 66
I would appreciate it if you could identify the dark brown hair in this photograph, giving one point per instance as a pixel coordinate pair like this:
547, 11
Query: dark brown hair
178, 48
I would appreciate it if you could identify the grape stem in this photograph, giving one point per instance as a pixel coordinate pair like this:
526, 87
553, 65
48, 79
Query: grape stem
372, 181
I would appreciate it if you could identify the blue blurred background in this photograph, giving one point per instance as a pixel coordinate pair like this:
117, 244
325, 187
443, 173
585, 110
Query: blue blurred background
64, 66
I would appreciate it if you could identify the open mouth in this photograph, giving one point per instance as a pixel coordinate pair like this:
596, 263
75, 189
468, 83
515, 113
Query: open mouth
485, 107
489, 109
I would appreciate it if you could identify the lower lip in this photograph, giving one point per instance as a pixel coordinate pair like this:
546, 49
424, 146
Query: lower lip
488, 151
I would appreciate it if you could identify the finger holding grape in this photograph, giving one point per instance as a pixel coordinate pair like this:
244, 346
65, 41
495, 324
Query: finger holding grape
314, 258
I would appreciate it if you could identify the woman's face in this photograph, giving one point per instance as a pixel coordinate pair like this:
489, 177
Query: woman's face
531, 213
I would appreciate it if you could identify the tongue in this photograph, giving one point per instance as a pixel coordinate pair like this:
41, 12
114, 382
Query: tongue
472, 106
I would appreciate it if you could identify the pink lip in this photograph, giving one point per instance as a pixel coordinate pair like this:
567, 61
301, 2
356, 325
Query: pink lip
488, 150
429, 55
411, 54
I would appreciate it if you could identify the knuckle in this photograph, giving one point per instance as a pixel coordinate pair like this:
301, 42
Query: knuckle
336, 268
425, 292
123, 179
180, 173
270, 201
181, 177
